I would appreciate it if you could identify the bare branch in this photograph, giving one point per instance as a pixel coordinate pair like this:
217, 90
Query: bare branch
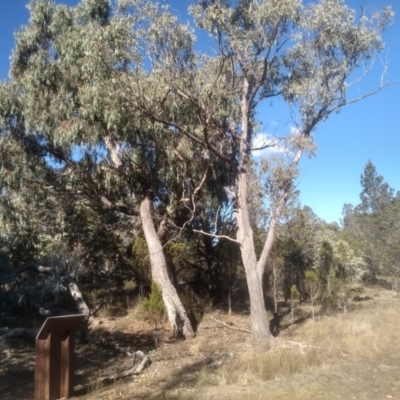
275, 218
229, 326
217, 236
366, 95
192, 211
203, 179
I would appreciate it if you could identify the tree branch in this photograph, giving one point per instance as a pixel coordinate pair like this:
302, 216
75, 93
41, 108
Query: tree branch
217, 236
36, 268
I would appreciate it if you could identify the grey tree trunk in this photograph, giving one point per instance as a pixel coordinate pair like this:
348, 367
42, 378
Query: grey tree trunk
177, 315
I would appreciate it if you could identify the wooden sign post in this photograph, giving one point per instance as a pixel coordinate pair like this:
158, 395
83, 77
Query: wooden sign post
54, 372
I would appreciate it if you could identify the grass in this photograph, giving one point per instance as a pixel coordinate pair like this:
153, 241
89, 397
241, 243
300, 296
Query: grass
365, 334
356, 355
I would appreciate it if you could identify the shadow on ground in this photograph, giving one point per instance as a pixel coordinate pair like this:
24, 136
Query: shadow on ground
94, 363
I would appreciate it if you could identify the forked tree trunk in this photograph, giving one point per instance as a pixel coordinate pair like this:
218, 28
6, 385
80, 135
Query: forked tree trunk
259, 321
255, 269
177, 315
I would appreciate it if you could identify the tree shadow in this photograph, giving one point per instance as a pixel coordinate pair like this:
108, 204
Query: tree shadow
184, 377
94, 362
17, 369
98, 365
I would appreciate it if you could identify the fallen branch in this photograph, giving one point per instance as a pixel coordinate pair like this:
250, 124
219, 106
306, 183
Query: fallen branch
230, 327
135, 369
20, 333
139, 363
144, 362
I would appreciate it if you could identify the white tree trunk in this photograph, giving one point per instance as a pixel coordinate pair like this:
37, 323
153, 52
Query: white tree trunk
83, 309
78, 298
259, 321
275, 288
177, 315
255, 269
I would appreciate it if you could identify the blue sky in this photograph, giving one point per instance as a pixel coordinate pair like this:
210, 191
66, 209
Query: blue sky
367, 130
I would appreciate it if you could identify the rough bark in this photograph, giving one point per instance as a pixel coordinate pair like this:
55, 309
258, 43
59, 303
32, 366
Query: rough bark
177, 315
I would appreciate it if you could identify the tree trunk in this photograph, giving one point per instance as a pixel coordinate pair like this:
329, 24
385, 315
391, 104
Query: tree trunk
78, 298
259, 321
84, 329
255, 270
177, 315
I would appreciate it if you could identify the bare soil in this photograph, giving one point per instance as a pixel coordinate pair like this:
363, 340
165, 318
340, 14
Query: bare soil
185, 369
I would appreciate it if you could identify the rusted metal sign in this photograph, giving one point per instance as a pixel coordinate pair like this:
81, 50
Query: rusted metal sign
54, 372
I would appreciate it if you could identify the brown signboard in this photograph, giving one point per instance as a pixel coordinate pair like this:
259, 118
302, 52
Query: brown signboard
54, 372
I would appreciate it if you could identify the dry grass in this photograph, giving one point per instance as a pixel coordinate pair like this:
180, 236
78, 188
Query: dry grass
367, 333
333, 357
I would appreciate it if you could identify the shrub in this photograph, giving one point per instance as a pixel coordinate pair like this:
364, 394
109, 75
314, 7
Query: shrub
153, 305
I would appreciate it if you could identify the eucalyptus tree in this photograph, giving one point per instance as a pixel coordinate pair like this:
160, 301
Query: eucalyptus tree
81, 139
264, 49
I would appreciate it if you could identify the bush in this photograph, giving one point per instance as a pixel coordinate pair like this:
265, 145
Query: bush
153, 305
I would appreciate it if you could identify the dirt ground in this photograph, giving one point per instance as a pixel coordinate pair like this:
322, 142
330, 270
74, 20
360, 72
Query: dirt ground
178, 368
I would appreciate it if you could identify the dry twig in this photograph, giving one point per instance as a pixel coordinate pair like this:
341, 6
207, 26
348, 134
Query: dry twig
230, 327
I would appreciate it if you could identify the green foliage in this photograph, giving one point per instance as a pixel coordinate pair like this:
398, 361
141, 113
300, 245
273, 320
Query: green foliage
140, 253
130, 285
373, 227
294, 292
153, 305
312, 276
376, 194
